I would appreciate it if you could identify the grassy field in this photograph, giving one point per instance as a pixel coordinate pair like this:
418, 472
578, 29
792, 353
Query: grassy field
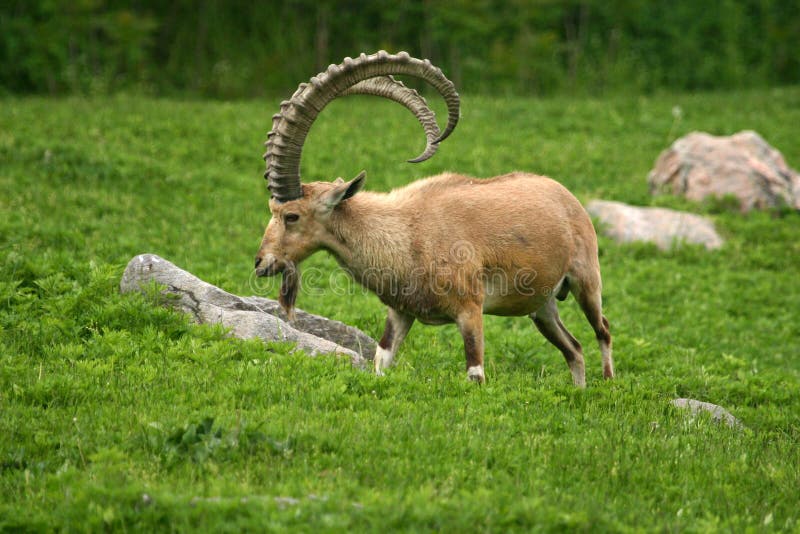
117, 414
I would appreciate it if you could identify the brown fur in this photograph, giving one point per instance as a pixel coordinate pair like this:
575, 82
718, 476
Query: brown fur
450, 247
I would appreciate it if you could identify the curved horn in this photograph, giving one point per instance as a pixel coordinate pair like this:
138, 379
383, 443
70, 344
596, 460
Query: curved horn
290, 127
388, 87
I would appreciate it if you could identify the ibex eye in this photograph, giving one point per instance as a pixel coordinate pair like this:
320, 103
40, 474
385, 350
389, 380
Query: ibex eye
290, 218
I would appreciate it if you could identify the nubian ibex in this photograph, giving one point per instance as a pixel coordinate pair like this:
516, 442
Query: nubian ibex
446, 249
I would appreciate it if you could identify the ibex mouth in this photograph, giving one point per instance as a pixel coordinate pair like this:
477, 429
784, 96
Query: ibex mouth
269, 266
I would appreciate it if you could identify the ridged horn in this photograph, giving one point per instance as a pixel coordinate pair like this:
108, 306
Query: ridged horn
290, 127
388, 87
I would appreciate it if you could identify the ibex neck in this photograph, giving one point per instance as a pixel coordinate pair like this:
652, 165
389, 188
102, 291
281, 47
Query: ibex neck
370, 234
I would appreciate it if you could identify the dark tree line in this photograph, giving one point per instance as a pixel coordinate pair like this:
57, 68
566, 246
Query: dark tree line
243, 48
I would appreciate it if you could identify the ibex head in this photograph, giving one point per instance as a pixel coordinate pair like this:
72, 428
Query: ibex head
300, 212
298, 227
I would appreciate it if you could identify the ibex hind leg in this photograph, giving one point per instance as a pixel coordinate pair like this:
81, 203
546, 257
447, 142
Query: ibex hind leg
549, 324
587, 292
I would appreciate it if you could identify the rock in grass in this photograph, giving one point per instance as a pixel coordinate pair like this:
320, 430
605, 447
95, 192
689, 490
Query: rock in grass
664, 227
247, 317
718, 413
700, 165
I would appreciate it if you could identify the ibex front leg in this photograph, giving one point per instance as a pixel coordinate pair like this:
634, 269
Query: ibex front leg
397, 326
470, 323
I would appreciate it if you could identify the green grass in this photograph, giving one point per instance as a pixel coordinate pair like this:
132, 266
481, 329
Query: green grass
117, 414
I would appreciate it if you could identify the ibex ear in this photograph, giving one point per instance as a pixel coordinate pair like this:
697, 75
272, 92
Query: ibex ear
343, 190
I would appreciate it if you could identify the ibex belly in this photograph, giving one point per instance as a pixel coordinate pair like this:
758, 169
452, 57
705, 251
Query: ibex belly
517, 294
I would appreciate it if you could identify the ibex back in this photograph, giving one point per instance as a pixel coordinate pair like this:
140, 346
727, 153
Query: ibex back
445, 249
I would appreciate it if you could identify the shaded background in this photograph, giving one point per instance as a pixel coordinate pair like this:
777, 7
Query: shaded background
243, 48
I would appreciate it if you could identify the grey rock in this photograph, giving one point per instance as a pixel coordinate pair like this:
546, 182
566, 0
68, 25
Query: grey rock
246, 317
344, 335
718, 413
744, 165
664, 227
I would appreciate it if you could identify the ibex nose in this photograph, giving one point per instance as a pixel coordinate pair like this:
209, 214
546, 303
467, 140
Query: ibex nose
258, 262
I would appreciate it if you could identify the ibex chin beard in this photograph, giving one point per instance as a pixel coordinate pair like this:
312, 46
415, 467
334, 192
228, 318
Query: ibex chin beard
289, 288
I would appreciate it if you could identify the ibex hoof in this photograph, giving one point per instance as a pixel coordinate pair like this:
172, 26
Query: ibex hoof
475, 373
383, 359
